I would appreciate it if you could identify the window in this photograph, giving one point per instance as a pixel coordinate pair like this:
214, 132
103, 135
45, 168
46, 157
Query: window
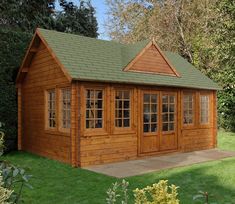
150, 112
188, 109
51, 108
94, 108
65, 107
122, 109
204, 109
168, 112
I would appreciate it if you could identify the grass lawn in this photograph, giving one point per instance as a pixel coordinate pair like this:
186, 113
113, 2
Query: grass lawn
57, 183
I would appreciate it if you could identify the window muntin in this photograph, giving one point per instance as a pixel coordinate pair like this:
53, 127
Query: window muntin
94, 108
168, 112
204, 109
122, 109
51, 108
188, 109
150, 117
65, 107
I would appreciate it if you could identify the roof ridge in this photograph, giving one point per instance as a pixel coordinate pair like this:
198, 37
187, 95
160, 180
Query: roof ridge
82, 36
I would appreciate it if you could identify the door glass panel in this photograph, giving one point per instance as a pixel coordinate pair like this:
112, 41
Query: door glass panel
168, 112
150, 112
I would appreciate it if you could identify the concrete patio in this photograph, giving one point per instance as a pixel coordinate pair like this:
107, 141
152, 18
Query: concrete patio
157, 163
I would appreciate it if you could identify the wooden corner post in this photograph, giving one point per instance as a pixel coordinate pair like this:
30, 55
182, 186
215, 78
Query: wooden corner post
74, 125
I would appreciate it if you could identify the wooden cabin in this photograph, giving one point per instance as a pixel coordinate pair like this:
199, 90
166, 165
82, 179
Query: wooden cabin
86, 101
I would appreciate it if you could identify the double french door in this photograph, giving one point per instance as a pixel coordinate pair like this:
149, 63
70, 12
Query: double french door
158, 130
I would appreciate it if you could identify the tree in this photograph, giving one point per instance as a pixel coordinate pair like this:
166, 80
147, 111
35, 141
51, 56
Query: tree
181, 26
18, 21
78, 20
224, 37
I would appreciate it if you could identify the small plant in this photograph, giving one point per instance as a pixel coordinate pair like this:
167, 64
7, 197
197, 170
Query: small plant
5, 194
118, 190
202, 195
2, 147
158, 193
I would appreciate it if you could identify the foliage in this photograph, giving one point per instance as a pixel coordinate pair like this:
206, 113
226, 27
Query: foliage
5, 194
14, 44
203, 31
18, 21
118, 190
13, 176
224, 38
158, 193
77, 19
1, 143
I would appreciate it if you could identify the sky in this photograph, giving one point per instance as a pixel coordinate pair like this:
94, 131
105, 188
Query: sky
101, 9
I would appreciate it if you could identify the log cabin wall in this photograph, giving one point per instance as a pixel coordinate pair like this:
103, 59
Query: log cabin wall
110, 144
43, 74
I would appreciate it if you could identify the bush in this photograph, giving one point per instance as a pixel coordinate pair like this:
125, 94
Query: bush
5, 194
158, 193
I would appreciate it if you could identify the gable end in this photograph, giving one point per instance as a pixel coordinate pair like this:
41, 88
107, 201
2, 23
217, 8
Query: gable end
151, 60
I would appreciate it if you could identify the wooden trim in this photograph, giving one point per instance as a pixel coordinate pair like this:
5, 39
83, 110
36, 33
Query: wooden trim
74, 123
24, 59
127, 68
105, 125
194, 109
215, 119
122, 130
19, 92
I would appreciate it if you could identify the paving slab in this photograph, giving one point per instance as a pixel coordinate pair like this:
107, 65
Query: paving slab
158, 163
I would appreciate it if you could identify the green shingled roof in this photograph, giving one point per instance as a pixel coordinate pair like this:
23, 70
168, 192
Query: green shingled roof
89, 59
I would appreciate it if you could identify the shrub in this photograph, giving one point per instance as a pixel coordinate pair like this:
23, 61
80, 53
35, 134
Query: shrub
5, 194
158, 193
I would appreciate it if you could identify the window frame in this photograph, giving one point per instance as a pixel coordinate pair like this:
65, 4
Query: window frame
151, 92
208, 124
121, 130
47, 127
60, 112
194, 111
94, 131
175, 113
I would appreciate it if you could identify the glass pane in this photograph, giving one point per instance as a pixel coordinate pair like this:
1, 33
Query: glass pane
165, 99
126, 113
153, 108
118, 95
118, 113
154, 118
164, 108
146, 98
99, 94
99, 104
153, 127
126, 104
118, 123
153, 98
126, 122
118, 104
89, 123
146, 127
165, 127
172, 108
171, 126
146, 118
98, 114
165, 118
172, 117
172, 99
146, 108
98, 124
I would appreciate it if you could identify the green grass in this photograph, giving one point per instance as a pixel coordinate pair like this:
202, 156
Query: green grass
57, 183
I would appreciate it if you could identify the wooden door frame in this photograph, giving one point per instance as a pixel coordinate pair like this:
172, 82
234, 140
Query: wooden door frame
159, 91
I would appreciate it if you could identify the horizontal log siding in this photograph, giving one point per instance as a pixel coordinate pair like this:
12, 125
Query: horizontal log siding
43, 73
